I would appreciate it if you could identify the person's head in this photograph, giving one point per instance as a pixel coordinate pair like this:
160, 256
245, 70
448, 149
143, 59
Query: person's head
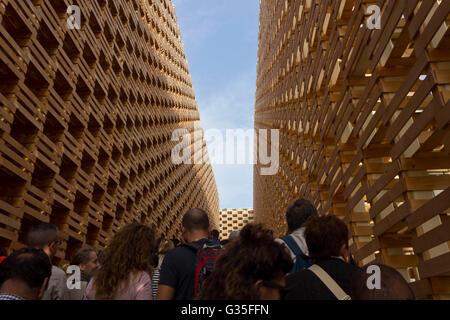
25, 273
253, 267
44, 236
326, 237
195, 225
215, 234
298, 212
165, 246
391, 284
87, 260
233, 235
131, 250
175, 241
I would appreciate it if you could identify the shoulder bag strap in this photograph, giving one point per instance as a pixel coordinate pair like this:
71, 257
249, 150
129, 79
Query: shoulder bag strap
329, 282
290, 241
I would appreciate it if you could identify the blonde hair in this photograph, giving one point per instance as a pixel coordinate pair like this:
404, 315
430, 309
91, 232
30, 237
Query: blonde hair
165, 246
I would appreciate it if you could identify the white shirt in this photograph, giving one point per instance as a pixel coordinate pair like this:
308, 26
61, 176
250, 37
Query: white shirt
299, 237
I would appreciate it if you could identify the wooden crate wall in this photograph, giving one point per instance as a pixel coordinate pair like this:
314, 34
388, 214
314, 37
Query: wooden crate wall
86, 119
364, 120
234, 220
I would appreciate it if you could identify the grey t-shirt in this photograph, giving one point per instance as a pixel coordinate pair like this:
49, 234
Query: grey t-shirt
57, 286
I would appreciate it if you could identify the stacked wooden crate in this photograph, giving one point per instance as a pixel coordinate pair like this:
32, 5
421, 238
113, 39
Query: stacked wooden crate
234, 220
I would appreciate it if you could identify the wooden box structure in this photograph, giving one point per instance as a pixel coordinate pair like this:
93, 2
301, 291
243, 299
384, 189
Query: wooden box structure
86, 120
364, 120
234, 219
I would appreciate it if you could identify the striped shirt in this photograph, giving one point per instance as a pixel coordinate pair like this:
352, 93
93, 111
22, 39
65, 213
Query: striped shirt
6, 296
155, 277
155, 282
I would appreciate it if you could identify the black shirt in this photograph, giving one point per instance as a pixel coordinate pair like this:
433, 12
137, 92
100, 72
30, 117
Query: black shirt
305, 285
178, 271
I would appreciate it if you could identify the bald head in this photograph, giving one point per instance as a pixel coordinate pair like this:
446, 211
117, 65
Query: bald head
393, 285
195, 220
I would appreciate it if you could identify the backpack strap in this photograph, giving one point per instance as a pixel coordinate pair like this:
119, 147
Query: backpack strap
329, 282
292, 244
199, 249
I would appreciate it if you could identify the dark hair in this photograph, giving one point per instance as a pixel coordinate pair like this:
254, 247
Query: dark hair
41, 235
3, 252
325, 236
30, 265
82, 256
251, 257
298, 213
175, 241
155, 255
215, 234
393, 285
195, 219
100, 256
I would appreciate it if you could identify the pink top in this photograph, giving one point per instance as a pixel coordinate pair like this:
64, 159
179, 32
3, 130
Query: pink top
137, 287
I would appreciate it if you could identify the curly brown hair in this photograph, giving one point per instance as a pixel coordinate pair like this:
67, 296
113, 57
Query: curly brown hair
130, 251
253, 256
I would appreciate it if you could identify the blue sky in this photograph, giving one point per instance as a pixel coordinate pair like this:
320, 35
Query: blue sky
221, 40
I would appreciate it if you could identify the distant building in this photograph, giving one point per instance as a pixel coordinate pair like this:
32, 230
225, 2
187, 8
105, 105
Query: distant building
234, 219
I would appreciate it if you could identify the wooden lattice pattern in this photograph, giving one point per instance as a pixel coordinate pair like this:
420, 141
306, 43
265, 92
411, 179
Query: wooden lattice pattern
363, 115
234, 220
87, 118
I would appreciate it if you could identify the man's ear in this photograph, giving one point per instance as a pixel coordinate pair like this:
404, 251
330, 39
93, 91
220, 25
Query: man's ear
183, 235
257, 285
42, 289
345, 253
258, 288
82, 267
50, 250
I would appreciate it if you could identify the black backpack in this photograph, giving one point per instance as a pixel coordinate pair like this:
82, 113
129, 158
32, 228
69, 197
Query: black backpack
207, 255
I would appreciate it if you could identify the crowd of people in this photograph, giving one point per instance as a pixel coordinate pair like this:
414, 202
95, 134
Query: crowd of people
312, 262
